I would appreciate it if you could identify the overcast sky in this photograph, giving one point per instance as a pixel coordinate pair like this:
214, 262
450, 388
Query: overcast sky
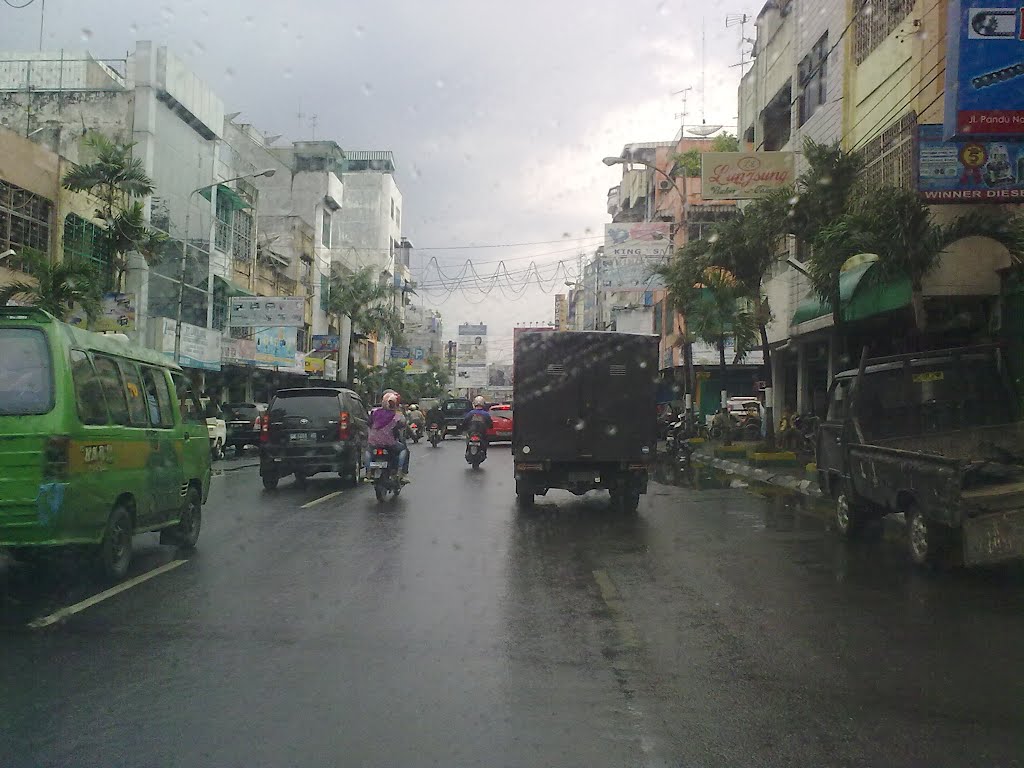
498, 113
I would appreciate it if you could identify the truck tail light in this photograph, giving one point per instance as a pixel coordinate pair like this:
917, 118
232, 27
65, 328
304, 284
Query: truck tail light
265, 428
57, 457
343, 426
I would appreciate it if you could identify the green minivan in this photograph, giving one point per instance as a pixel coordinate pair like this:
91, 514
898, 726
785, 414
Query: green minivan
99, 440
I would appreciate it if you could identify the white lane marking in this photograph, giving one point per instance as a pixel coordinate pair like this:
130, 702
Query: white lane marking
314, 502
71, 610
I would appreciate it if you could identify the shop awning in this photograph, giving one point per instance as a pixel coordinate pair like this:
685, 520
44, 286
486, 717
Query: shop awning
230, 288
859, 296
234, 200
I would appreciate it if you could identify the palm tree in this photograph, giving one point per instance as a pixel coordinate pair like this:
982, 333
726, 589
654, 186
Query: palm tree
58, 287
366, 301
895, 224
747, 246
118, 181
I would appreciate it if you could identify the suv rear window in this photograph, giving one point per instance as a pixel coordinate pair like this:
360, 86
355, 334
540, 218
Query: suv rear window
241, 411
456, 406
322, 406
26, 378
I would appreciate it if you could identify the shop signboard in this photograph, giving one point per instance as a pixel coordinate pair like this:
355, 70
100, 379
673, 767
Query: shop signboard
277, 311
413, 358
238, 351
969, 171
326, 343
984, 69
116, 314
331, 369
745, 175
200, 347
276, 347
313, 365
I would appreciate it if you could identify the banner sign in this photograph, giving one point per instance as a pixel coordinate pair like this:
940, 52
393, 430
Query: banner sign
970, 171
277, 311
326, 343
646, 239
276, 347
238, 351
200, 347
414, 359
471, 356
116, 314
744, 175
313, 364
984, 69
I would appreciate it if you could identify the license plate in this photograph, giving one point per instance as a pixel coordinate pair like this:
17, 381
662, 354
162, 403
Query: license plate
378, 465
584, 477
451, 427
295, 436
473, 449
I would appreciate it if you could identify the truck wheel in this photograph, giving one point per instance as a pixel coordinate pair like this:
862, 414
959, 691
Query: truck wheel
115, 552
927, 542
270, 482
524, 495
625, 502
186, 533
300, 480
849, 517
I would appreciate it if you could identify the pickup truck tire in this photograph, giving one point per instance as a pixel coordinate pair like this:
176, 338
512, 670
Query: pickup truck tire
927, 543
849, 517
270, 482
524, 495
626, 502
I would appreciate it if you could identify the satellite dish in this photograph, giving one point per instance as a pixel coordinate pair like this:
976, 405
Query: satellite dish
705, 130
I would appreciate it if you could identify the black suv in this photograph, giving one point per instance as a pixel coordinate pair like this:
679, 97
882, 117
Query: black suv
243, 425
454, 410
312, 430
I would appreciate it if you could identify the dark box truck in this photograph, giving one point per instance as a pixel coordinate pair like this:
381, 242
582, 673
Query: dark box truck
585, 414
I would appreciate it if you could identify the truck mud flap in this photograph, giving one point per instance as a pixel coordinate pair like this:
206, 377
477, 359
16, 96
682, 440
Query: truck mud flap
994, 538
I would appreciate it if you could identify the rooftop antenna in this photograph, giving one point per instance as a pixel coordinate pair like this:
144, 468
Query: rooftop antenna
681, 116
740, 20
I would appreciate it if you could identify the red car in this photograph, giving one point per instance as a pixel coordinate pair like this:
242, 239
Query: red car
501, 432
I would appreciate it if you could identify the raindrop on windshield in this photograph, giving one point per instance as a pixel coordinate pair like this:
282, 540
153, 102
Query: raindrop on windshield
794, 199
612, 430
580, 424
439, 83
367, 89
86, 34
713, 238
359, 30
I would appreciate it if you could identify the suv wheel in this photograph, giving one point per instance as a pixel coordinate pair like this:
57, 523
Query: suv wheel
270, 482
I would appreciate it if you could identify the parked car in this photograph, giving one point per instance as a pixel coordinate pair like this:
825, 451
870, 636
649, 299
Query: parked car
935, 436
216, 426
501, 430
243, 425
99, 440
312, 430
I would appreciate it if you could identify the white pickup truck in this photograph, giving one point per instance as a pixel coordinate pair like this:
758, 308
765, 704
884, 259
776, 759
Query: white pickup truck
217, 428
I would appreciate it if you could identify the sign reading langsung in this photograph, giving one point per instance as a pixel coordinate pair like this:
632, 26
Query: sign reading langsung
744, 175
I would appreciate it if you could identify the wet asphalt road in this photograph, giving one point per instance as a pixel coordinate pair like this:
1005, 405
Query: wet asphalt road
718, 627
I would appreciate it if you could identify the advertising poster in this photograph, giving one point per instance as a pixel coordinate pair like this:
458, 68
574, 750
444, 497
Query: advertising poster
978, 170
200, 347
276, 346
326, 343
116, 314
471, 356
413, 358
745, 175
238, 351
984, 69
277, 311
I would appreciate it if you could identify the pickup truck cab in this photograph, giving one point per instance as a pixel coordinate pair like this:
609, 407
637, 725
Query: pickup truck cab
933, 436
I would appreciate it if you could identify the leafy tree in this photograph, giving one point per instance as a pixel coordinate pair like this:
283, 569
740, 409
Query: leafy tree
119, 182
725, 142
686, 163
57, 287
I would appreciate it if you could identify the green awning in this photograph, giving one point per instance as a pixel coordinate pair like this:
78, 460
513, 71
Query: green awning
859, 298
235, 201
230, 288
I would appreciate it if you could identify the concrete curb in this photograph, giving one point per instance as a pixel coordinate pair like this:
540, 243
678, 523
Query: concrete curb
804, 486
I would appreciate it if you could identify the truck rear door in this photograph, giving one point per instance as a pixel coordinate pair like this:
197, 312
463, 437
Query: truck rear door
616, 393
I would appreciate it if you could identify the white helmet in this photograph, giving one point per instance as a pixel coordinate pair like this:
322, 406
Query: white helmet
478, 402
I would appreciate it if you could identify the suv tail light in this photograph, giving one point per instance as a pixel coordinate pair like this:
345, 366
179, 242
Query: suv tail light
56, 457
264, 421
343, 426
379, 452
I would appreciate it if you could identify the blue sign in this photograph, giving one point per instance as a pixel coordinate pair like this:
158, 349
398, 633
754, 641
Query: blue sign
973, 171
326, 343
985, 69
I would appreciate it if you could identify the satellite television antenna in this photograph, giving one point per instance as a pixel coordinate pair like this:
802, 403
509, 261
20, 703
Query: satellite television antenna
704, 130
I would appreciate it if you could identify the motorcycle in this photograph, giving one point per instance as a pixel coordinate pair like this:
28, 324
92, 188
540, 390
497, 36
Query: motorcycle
476, 450
434, 434
747, 426
383, 472
414, 431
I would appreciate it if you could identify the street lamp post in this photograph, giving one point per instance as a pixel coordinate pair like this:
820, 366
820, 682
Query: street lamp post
268, 172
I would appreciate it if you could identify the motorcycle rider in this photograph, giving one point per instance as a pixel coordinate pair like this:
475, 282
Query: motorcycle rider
415, 416
387, 430
478, 421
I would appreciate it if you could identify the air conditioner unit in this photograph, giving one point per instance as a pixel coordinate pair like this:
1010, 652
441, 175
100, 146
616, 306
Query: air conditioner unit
665, 184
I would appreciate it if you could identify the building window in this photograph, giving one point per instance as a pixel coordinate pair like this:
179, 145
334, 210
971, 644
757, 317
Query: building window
325, 232
398, 217
24, 223
241, 247
813, 74
776, 120
889, 157
225, 209
82, 242
392, 209
875, 22
220, 305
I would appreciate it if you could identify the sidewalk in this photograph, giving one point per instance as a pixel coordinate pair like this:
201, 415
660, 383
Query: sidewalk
794, 479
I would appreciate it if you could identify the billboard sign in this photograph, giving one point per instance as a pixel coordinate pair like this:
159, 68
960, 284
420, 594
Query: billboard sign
969, 171
326, 343
413, 358
985, 69
745, 175
471, 356
277, 311
116, 314
238, 351
276, 347
644, 239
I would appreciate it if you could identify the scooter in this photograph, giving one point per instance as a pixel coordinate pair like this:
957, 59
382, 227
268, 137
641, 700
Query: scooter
476, 450
384, 473
434, 434
414, 431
